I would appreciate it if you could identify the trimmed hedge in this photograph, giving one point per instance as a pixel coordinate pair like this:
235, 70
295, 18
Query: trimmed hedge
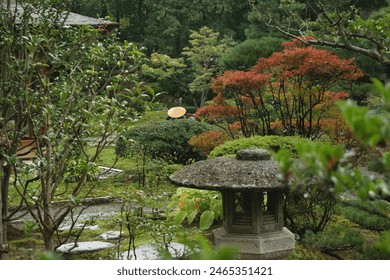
271, 143
167, 140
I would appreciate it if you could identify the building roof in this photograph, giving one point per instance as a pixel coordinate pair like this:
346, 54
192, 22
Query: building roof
68, 18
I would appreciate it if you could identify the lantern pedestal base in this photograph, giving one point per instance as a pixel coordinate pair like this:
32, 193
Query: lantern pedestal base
264, 246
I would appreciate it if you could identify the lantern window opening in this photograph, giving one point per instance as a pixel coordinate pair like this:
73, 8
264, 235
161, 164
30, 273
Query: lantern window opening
269, 207
242, 209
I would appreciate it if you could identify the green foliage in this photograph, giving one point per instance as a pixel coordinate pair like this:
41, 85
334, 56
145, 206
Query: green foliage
196, 204
368, 126
168, 73
338, 24
271, 143
375, 165
206, 219
199, 247
372, 129
167, 140
29, 227
203, 54
383, 245
319, 159
202, 250
329, 168
49, 256
69, 83
311, 200
372, 215
165, 25
334, 239
302, 252
309, 208
245, 55
26, 243
189, 76
77, 168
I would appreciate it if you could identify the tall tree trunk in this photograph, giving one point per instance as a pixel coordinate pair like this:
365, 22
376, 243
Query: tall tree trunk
4, 183
48, 239
203, 97
4, 176
195, 102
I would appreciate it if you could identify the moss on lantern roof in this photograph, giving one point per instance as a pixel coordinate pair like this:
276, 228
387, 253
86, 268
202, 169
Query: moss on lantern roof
252, 169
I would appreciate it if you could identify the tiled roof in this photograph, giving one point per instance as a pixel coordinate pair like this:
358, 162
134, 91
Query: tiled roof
69, 17
76, 19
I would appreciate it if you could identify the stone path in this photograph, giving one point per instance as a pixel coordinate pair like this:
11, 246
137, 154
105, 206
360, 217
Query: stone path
81, 247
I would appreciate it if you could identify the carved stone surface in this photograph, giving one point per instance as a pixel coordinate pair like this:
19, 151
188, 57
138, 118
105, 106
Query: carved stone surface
230, 173
267, 246
252, 198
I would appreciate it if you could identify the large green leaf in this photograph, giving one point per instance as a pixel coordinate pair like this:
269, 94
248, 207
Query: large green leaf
179, 217
191, 216
206, 220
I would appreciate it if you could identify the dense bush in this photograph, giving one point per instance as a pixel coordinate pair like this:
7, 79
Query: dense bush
193, 204
271, 143
207, 141
246, 54
309, 207
312, 195
372, 215
167, 140
335, 239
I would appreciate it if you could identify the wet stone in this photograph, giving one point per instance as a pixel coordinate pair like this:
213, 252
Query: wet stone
110, 235
78, 226
150, 252
89, 246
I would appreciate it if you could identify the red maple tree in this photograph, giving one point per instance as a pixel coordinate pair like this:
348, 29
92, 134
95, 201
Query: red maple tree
294, 88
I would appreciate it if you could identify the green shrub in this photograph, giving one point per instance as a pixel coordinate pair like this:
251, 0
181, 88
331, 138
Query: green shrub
271, 143
309, 208
334, 239
372, 215
167, 140
76, 168
192, 204
245, 55
28, 242
312, 195
376, 165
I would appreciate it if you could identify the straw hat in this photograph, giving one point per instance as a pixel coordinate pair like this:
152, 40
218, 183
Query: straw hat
176, 112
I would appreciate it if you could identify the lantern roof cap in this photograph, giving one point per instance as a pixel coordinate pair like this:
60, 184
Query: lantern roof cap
252, 169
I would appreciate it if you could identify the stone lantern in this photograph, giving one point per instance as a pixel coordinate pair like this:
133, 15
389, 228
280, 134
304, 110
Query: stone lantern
252, 198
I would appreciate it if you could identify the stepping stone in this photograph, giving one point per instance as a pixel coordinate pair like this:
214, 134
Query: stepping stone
106, 172
149, 252
88, 246
78, 226
110, 235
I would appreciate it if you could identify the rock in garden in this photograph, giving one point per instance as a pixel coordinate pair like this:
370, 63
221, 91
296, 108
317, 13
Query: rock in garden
89, 246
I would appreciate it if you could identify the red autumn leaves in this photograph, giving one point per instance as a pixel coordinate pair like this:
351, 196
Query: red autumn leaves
295, 89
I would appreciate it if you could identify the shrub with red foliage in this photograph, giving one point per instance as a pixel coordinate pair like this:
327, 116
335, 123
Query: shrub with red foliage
218, 113
294, 88
207, 141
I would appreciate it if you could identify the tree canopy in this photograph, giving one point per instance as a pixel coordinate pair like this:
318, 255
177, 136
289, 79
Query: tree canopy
58, 86
335, 23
